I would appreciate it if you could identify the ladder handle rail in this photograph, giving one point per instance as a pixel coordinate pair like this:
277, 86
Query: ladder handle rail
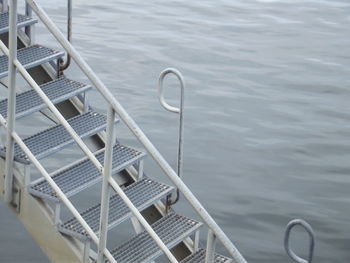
160, 89
56, 188
82, 145
311, 234
66, 64
138, 133
180, 111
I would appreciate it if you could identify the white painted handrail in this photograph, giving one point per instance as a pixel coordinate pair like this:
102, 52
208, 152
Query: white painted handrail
134, 128
10, 123
86, 150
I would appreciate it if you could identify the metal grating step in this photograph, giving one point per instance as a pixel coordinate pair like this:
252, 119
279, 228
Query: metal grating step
30, 57
83, 174
172, 229
55, 138
199, 257
22, 21
57, 90
142, 194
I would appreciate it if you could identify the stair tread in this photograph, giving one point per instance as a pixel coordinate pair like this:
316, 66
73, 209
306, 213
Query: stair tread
55, 138
172, 229
142, 194
57, 90
22, 21
199, 257
30, 57
83, 174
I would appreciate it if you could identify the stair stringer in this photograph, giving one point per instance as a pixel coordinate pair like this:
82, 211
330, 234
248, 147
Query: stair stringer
37, 219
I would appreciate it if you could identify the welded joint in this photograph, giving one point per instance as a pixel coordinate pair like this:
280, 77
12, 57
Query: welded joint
16, 197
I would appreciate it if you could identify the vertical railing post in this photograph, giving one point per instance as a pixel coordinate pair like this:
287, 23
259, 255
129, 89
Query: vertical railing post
29, 29
4, 7
11, 109
105, 185
211, 244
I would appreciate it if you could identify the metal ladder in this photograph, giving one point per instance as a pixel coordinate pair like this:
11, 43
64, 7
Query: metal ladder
119, 202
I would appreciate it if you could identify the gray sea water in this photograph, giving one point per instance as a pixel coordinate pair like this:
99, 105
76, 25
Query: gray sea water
267, 125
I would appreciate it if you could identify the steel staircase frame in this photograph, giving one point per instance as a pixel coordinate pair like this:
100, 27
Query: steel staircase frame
114, 108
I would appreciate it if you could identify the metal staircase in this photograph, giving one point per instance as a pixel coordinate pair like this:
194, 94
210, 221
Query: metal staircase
120, 201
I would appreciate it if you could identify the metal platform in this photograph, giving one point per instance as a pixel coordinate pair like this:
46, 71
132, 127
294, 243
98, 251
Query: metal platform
22, 21
142, 193
83, 173
172, 229
55, 138
30, 57
199, 257
57, 90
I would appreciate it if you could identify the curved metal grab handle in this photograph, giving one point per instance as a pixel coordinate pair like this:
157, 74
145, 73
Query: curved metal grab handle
287, 247
175, 110
160, 89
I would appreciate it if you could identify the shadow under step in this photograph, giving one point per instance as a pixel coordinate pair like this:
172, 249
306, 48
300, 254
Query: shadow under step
30, 57
56, 138
172, 229
22, 21
83, 173
142, 194
199, 257
57, 90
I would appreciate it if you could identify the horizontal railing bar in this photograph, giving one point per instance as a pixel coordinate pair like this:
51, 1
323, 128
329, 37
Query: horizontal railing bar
56, 188
130, 123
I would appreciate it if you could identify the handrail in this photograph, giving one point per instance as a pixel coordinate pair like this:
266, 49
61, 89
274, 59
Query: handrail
134, 128
87, 151
180, 111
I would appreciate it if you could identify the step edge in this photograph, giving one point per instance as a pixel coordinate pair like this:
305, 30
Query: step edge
90, 183
33, 64
28, 22
42, 106
170, 245
121, 219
